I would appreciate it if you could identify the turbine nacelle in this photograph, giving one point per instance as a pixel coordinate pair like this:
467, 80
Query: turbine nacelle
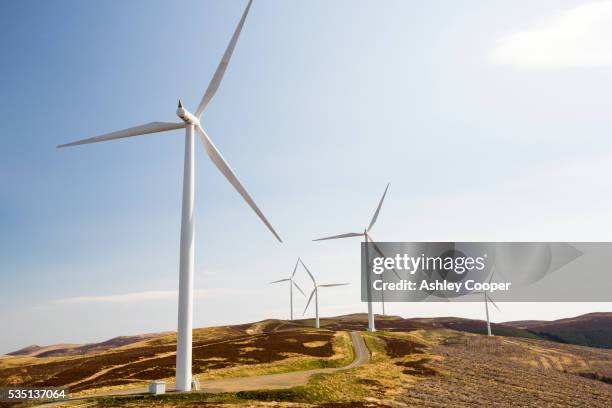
186, 116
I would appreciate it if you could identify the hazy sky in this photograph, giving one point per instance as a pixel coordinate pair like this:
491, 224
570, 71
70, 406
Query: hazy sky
491, 120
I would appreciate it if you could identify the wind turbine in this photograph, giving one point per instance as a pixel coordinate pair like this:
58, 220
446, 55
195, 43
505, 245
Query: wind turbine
191, 123
367, 238
315, 293
291, 285
487, 299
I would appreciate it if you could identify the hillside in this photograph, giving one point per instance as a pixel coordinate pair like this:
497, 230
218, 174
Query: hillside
593, 329
57, 350
215, 350
414, 362
478, 327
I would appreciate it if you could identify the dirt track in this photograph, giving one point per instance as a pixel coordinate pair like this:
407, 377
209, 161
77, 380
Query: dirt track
285, 380
270, 381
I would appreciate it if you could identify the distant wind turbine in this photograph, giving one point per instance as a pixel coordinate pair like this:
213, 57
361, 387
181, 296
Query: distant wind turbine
191, 123
487, 299
291, 285
368, 238
315, 293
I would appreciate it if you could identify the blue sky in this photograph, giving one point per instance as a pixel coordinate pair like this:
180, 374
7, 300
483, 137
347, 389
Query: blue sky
491, 120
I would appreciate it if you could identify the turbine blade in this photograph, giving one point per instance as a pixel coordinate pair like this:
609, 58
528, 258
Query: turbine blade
492, 302
298, 288
218, 76
308, 271
329, 285
378, 208
226, 170
152, 127
491, 277
379, 251
295, 268
280, 280
309, 300
350, 234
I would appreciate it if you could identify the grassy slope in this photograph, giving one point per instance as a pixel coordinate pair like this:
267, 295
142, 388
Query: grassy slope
594, 329
233, 351
375, 384
479, 327
413, 360
506, 372
438, 368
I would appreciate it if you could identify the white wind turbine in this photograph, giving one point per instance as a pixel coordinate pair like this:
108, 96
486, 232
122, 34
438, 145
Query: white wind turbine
315, 293
291, 285
487, 299
368, 238
191, 123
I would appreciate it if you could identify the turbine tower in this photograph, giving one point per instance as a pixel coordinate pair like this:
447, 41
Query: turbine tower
191, 123
315, 293
487, 299
367, 238
291, 285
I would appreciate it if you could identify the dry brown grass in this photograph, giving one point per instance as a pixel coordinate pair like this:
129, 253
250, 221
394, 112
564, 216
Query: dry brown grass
479, 370
217, 353
444, 368
411, 366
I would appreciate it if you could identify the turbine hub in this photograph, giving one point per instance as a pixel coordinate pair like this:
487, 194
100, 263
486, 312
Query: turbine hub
185, 115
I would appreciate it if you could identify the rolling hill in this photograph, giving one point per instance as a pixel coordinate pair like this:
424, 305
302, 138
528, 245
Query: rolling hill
593, 329
57, 350
414, 362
